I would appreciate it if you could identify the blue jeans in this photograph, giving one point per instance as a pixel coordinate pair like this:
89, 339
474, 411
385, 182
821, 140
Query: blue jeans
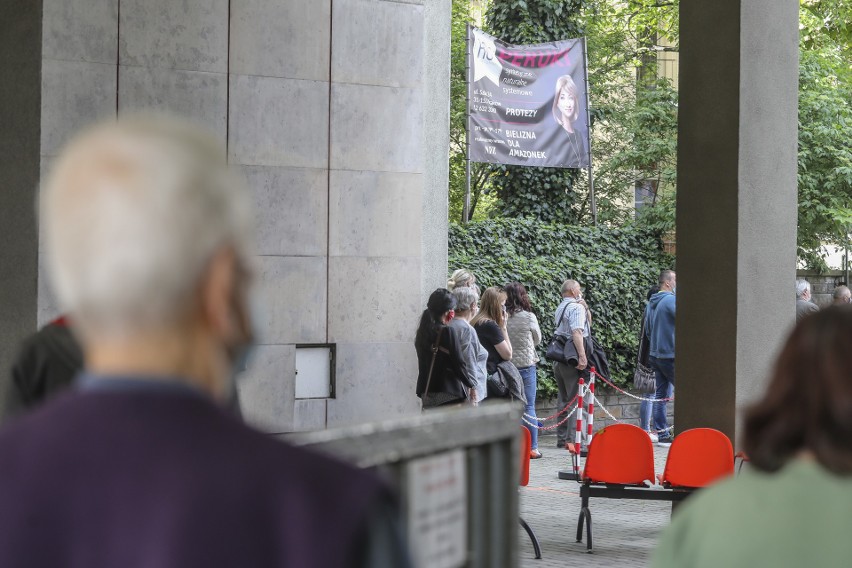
529, 376
665, 371
645, 413
645, 409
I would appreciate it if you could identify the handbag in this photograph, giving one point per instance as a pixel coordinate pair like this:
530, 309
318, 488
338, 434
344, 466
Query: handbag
496, 386
432, 364
644, 379
556, 347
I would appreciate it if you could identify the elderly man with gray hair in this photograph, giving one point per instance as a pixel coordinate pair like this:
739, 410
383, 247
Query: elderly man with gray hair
804, 306
573, 320
841, 296
148, 242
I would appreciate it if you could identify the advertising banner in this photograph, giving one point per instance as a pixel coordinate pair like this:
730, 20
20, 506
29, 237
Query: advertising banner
528, 103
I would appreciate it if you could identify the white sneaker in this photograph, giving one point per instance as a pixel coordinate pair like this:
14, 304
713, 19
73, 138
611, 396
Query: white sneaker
654, 437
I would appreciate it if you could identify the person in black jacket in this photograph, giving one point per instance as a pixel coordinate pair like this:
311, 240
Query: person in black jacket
451, 376
46, 364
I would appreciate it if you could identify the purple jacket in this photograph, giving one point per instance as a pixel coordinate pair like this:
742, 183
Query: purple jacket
163, 478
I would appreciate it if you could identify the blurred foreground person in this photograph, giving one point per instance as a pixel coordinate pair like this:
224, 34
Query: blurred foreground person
793, 506
45, 365
138, 466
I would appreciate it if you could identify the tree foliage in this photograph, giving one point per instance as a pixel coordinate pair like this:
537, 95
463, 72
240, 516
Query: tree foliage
634, 106
480, 173
547, 194
825, 141
614, 266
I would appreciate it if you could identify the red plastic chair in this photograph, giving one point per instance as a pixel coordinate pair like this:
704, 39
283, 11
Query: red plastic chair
526, 447
623, 455
697, 458
620, 457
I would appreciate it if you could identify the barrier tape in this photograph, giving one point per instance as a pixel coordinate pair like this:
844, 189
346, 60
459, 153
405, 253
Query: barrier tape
527, 417
552, 427
557, 415
630, 394
608, 413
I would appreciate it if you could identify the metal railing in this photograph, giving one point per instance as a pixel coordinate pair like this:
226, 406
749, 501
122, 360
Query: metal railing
468, 520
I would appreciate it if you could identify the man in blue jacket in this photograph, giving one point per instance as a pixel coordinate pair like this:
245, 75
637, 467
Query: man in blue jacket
660, 330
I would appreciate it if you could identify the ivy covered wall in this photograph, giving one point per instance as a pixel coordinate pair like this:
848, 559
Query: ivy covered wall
615, 267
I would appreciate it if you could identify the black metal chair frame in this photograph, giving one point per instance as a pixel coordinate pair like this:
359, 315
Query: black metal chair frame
613, 491
533, 538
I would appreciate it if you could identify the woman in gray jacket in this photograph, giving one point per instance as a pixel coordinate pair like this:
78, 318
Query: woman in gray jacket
524, 334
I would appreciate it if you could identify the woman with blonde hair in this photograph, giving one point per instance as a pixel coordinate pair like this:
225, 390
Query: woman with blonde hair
490, 326
462, 278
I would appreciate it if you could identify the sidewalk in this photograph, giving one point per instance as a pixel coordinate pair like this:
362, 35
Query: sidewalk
625, 531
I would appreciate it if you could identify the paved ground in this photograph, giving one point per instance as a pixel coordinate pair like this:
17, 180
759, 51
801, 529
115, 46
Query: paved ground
625, 531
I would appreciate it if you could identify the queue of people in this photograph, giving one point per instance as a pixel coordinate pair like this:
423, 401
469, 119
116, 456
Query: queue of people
463, 339
500, 328
452, 370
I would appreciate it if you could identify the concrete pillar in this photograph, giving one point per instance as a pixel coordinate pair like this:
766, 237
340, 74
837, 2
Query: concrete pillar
20, 117
736, 210
342, 137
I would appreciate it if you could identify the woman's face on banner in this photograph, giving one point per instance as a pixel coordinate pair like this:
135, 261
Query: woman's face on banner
565, 103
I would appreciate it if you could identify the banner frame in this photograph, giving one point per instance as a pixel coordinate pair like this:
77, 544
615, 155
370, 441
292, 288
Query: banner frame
592, 203
466, 208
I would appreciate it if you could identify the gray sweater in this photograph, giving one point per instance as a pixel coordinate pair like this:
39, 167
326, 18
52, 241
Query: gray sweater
524, 335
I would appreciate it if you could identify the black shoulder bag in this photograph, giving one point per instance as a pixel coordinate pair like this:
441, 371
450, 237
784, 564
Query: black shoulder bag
556, 347
435, 349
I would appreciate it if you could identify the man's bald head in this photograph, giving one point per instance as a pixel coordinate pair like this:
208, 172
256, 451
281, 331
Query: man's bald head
570, 288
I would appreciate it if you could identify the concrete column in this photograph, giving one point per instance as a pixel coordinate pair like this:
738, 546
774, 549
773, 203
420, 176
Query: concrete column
436, 136
736, 210
20, 115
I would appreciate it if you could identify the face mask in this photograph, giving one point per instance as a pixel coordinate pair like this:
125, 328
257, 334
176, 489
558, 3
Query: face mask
239, 347
674, 290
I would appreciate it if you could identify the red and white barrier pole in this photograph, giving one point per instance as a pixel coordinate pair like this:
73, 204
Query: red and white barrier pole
578, 438
590, 421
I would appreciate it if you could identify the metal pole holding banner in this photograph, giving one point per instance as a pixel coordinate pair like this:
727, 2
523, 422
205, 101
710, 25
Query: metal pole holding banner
594, 205
466, 212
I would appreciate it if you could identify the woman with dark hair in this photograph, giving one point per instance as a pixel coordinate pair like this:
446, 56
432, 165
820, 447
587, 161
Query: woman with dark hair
444, 375
524, 334
793, 506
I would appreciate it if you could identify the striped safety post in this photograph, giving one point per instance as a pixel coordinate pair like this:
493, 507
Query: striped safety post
578, 438
590, 421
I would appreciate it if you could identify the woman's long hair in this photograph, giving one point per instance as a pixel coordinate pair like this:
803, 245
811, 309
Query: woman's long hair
565, 83
491, 307
808, 402
517, 299
440, 302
